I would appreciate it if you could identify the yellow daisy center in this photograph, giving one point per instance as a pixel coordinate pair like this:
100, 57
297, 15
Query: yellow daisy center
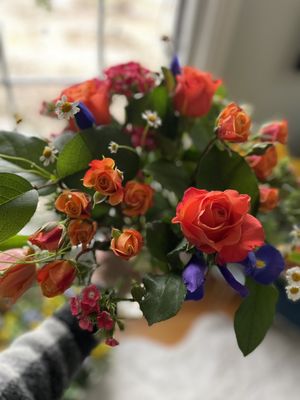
294, 290
296, 276
66, 107
47, 152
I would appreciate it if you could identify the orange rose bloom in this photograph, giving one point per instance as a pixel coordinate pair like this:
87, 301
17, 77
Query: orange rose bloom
128, 244
105, 179
56, 277
74, 204
269, 198
263, 165
194, 92
219, 222
275, 132
233, 124
94, 93
15, 277
138, 198
81, 231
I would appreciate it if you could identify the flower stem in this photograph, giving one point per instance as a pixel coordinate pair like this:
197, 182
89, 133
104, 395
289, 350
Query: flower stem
144, 135
32, 164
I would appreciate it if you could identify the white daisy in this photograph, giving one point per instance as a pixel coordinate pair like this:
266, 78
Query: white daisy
65, 109
152, 118
293, 292
293, 276
49, 155
113, 147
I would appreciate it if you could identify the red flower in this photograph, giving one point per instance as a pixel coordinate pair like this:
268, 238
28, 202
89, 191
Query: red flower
219, 222
85, 324
138, 198
263, 165
269, 198
105, 321
56, 277
90, 295
48, 237
129, 78
112, 342
276, 131
81, 231
75, 305
136, 133
194, 92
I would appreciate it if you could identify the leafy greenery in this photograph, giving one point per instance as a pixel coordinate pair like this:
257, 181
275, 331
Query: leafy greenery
255, 315
18, 202
221, 170
163, 298
160, 239
14, 242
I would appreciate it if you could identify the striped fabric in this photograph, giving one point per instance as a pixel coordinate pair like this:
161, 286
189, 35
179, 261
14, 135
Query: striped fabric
40, 364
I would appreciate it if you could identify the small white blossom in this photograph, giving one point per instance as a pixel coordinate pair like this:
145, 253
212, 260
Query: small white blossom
293, 276
152, 118
293, 292
65, 109
113, 147
49, 155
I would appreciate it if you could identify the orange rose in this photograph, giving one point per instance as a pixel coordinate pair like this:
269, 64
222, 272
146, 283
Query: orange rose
15, 277
275, 132
263, 165
74, 204
56, 277
219, 222
137, 198
194, 92
233, 124
269, 198
94, 93
105, 179
81, 231
126, 244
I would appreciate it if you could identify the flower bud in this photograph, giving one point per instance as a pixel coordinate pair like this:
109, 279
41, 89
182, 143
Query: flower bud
48, 237
126, 244
81, 232
56, 277
233, 124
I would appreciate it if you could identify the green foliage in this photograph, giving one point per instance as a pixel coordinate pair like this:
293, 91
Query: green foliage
163, 298
160, 239
18, 202
93, 144
169, 175
221, 170
255, 315
14, 242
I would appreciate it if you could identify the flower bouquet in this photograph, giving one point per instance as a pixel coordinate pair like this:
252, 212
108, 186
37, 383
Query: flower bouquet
177, 188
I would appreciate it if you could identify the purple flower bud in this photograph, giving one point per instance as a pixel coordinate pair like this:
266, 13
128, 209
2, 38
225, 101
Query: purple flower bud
194, 277
175, 66
84, 118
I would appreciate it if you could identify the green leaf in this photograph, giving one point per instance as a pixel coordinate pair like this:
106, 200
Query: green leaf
160, 239
17, 145
163, 298
219, 170
93, 144
255, 315
259, 149
169, 175
294, 257
18, 202
14, 242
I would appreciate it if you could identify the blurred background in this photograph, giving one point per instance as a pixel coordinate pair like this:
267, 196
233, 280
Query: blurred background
46, 45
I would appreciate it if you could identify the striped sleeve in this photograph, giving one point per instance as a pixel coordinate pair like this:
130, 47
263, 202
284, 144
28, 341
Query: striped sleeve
40, 364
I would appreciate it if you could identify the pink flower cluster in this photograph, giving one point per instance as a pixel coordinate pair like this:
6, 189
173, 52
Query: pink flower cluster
87, 309
129, 78
136, 134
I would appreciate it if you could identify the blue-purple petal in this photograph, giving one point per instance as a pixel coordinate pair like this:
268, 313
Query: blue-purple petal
230, 279
84, 118
193, 277
175, 66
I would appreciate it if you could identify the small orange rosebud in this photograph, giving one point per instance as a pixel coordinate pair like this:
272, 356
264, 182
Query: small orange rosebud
138, 198
56, 277
105, 179
269, 198
48, 237
81, 231
276, 131
15, 277
233, 124
74, 204
126, 244
263, 165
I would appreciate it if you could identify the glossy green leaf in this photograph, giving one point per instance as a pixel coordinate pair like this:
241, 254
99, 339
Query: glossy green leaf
160, 239
163, 298
219, 170
18, 202
169, 175
255, 315
93, 144
14, 242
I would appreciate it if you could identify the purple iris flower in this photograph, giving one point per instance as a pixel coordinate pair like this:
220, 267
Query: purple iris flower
84, 118
175, 66
230, 279
264, 265
194, 277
